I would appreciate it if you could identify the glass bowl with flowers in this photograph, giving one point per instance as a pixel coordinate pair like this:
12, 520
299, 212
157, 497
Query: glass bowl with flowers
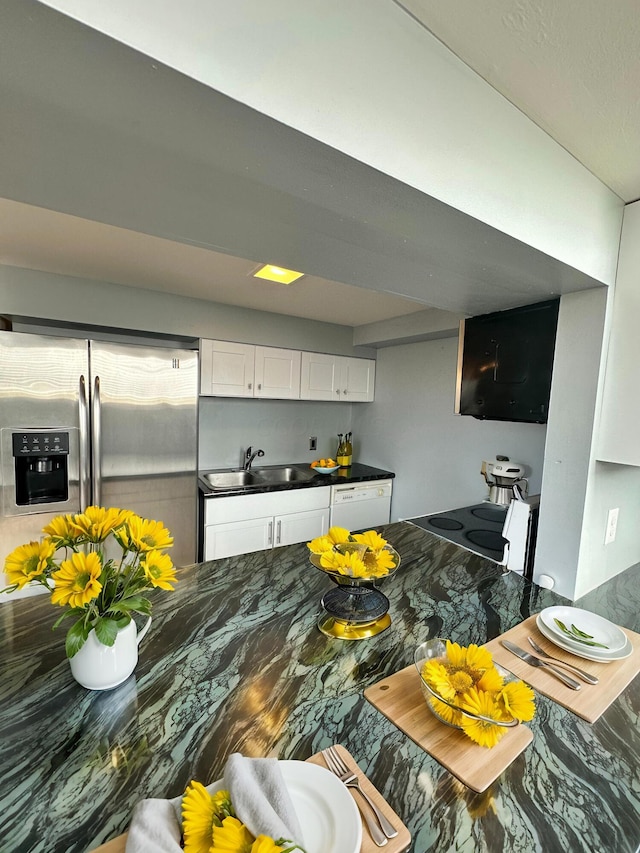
356, 563
464, 689
98, 565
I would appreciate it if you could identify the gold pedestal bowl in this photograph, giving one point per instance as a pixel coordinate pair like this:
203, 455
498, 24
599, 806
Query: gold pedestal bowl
355, 609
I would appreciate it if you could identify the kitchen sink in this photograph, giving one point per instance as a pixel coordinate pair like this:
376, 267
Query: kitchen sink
231, 479
256, 477
286, 474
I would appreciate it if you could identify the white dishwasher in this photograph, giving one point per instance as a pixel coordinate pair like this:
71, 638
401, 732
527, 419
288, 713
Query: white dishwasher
361, 505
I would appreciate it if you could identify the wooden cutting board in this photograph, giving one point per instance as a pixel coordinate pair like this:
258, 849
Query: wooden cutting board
394, 845
399, 697
591, 700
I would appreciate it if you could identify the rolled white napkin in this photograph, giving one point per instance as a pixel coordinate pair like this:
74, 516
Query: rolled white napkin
259, 797
156, 827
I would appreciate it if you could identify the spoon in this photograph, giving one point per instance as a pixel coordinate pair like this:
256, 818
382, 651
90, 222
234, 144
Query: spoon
586, 676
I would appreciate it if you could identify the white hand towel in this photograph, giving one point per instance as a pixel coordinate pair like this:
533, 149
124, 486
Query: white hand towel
260, 797
156, 827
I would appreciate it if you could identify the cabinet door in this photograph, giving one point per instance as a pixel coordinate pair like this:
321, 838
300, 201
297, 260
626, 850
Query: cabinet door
277, 373
237, 537
357, 380
300, 526
319, 376
227, 369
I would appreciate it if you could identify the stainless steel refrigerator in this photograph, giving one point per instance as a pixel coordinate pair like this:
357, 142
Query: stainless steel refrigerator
92, 422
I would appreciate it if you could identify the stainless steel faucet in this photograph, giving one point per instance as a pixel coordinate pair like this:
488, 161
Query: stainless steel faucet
249, 456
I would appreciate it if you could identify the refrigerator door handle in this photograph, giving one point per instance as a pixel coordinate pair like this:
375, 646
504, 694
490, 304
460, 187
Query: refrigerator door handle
84, 475
96, 438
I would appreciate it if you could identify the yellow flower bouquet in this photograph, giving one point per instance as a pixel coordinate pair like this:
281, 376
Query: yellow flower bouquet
464, 690
210, 824
354, 555
100, 591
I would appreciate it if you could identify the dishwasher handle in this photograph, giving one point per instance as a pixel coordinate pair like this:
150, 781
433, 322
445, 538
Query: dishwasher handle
355, 493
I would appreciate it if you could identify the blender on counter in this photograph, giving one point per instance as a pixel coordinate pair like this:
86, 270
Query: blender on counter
505, 479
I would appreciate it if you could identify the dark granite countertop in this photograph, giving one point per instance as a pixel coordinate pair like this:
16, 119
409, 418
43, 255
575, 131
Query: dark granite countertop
234, 661
357, 473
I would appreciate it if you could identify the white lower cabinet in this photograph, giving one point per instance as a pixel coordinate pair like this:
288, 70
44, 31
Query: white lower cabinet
245, 523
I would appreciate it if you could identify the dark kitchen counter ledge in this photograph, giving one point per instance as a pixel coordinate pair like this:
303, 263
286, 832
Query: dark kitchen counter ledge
358, 473
234, 661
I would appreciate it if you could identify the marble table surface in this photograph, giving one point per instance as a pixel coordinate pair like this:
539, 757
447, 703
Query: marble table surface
234, 662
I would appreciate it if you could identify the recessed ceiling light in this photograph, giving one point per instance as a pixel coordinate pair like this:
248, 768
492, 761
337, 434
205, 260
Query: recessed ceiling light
279, 274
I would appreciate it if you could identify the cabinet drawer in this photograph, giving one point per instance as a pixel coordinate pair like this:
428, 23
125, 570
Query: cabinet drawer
241, 507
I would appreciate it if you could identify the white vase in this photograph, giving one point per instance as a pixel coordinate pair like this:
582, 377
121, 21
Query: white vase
100, 667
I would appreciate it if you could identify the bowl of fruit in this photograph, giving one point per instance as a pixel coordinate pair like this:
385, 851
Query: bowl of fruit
324, 466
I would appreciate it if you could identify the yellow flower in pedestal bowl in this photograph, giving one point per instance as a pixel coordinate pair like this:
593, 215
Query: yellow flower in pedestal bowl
335, 536
365, 556
356, 563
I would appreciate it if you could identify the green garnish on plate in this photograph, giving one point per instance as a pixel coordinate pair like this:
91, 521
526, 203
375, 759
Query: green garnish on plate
579, 636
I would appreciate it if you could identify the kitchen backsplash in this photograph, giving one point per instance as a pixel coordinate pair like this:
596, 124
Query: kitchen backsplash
280, 427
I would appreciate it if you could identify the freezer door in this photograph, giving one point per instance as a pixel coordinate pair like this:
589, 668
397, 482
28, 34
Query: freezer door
40, 379
144, 419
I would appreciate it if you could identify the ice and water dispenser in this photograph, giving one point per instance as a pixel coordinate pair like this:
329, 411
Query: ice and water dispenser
41, 466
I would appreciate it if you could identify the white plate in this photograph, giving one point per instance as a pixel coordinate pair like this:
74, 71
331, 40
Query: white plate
327, 813
600, 629
584, 652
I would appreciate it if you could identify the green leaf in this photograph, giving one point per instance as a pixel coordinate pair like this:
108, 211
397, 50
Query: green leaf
580, 633
74, 611
137, 603
106, 630
76, 637
577, 638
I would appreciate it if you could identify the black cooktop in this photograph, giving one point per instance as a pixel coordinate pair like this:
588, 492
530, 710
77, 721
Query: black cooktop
477, 528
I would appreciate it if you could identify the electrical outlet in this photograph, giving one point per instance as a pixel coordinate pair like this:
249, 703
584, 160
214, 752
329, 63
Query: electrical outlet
612, 525
313, 442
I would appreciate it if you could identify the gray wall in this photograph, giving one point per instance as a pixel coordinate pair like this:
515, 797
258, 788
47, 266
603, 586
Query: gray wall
578, 490
30, 293
411, 429
279, 427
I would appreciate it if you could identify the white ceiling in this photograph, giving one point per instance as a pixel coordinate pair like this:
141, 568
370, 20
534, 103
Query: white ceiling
35, 238
573, 68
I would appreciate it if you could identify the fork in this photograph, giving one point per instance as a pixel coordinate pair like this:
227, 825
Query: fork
349, 778
586, 676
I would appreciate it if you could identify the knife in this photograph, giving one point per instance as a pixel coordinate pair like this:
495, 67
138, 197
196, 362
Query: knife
534, 661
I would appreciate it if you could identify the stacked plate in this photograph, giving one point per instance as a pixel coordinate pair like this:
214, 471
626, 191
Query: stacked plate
584, 634
326, 811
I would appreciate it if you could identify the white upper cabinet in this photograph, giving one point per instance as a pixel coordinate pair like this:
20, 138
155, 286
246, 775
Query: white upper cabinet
335, 377
358, 379
226, 369
277, 373
319, 379
244, 370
